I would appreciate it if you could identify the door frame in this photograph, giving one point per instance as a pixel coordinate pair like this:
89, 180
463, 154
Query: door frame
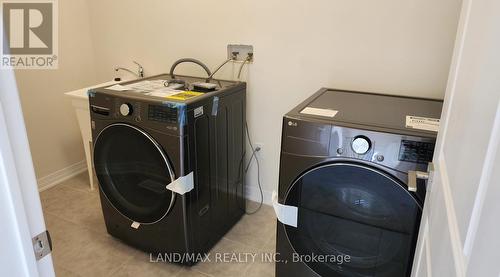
460, 251
423, 248
20, 207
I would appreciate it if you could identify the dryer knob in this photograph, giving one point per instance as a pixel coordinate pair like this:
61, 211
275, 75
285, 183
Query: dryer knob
125, 109
361, 145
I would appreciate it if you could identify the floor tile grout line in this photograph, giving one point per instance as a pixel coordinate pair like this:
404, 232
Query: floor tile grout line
65, 268
75, 189
76, 223
183, 269
66, 185
242, 243
248, 245
117, 269
57, 197
203, 273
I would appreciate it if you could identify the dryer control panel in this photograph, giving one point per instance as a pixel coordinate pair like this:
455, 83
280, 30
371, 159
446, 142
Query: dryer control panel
416, 151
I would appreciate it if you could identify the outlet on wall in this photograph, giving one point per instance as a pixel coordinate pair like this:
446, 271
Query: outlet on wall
242, 51
258, 145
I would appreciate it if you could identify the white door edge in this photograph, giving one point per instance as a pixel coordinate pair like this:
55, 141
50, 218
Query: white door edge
493, 145
13, 213
456, 242
20, 177
455, 66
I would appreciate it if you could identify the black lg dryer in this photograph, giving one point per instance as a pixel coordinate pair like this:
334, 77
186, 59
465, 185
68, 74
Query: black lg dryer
345, 158
145, 141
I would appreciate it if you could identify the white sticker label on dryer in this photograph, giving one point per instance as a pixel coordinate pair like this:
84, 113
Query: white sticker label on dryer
319, 111
422, 123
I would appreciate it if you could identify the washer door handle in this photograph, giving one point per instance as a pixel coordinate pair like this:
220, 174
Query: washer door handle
413, 175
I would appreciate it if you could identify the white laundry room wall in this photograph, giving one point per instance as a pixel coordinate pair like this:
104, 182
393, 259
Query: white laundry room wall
386, 46
53, 132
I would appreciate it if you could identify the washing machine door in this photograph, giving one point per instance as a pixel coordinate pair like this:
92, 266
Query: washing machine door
133, 172
359, 220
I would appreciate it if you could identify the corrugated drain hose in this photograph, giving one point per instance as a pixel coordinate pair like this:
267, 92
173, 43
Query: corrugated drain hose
188, 60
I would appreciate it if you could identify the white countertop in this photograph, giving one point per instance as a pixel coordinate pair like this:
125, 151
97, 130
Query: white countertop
82, 93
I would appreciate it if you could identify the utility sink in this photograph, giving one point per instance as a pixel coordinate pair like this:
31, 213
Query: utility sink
80, 101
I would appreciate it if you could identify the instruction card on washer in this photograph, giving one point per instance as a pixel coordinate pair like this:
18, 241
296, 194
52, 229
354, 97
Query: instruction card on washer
286, 214
182, 185
422, 123
318, 111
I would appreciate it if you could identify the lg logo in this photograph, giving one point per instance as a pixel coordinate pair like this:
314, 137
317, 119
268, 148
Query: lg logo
30, 34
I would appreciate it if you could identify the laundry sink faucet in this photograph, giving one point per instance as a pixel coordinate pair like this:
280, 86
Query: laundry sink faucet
139, 73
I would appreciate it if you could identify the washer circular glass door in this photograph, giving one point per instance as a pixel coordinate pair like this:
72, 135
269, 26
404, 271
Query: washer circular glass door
133, 172
353, 220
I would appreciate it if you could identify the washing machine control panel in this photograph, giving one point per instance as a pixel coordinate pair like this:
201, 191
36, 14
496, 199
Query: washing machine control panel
162, 113
126, 109
360, 145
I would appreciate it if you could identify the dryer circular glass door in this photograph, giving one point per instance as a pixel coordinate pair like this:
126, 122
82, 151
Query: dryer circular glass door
133, 172
353, 220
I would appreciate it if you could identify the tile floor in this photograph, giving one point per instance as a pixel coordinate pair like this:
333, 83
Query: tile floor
82, 246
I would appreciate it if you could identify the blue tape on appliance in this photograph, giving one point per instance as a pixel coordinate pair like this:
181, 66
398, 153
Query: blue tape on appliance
215, 106
181, 111
90, 93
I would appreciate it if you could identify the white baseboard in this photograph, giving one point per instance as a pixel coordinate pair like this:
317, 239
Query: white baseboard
61, 175
253, 193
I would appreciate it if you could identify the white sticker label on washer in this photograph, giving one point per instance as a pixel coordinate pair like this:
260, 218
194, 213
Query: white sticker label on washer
422, 123
198, 111
135, 225
285, 214
182, 185
320, 112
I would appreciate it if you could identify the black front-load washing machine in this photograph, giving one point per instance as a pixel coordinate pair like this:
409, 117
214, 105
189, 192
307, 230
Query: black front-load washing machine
345, 159
168, 163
